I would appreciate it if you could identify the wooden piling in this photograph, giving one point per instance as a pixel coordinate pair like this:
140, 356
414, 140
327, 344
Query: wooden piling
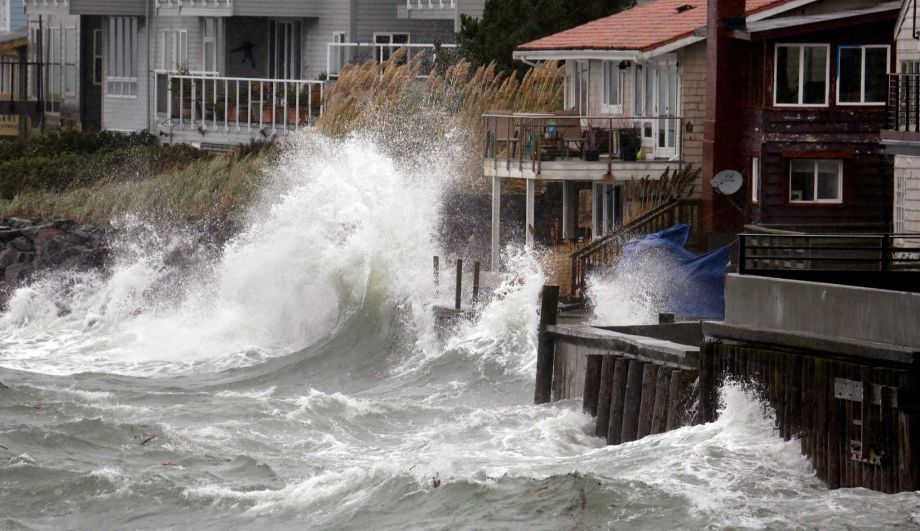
707, 384
660, 410
633, 401
603, 395
437, 271
476, 283
678, 397
458, 292
647, 405
549, 307
617, 401
593, 365
908, 432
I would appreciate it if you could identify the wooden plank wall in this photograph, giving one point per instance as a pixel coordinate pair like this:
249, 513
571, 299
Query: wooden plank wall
857, 421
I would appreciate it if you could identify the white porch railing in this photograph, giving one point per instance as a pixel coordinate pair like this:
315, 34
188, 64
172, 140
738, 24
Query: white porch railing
340, 54
430, 4
179, 4
235, 105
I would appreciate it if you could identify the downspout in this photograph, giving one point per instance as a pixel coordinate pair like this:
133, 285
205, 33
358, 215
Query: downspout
149, 72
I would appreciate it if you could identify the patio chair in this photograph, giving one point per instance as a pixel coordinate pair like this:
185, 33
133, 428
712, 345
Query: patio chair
500, 130
568, 127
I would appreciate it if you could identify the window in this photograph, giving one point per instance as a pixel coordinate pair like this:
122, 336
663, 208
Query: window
862, 75
394, 39
337, 55
174, 51
815, 181
97, 57
577, 77
801, 72
212, 29
284, 49
755, 180
5, 15
613, 99
121, 73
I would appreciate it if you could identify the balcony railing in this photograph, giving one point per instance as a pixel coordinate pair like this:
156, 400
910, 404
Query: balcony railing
904, 102
528, 139
430, 4
425, 56
208, 103
179, 4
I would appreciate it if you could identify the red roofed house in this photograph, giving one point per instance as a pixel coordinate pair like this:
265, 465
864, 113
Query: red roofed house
784, 109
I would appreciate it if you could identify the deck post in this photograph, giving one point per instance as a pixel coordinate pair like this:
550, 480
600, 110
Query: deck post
496, 221
529, 228
476, 267
569, 210
546, 353
595, 215
459, 287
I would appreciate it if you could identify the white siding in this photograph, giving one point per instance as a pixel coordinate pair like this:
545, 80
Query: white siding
380, 16
907, 172
129, 114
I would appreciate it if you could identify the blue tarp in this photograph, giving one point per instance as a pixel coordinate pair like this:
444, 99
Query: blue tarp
679, 281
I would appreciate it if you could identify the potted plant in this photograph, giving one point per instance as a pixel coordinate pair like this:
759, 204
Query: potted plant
630, 143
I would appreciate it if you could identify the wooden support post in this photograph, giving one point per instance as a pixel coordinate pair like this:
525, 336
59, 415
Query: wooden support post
603, 395
660, 411
820, 423
549, 307
647, 405
836, 438
459, 285
437, 271
617, 401
476, 283
708, 383
908, 433
593, 364
679, 397
633, 401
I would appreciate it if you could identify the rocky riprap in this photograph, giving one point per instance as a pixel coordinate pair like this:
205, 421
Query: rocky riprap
29, 246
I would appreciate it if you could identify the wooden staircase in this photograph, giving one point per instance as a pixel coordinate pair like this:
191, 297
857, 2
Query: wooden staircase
604, 251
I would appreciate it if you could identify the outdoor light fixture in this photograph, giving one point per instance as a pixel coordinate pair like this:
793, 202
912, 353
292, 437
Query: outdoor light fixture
689, 127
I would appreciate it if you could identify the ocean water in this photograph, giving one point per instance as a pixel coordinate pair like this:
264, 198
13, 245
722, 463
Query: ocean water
293, 379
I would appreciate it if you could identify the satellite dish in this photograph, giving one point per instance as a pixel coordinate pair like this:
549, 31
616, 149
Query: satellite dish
728, 182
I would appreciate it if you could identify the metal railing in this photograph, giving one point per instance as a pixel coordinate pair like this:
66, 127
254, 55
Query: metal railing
904, 102
205, 102
887, 261
48, 84
425, 56
529, 139
430, 4
605, 250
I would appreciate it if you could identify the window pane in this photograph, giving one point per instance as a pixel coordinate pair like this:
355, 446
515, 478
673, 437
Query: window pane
787, 74
876, 75
815, 89
802, 180
850, 78
828, 182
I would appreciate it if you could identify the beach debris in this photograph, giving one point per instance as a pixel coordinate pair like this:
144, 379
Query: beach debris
436, 480
148, 439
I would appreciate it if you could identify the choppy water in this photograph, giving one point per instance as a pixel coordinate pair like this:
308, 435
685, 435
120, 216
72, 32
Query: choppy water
293, 381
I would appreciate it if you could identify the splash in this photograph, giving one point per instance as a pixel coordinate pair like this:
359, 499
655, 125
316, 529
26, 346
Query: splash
342, 221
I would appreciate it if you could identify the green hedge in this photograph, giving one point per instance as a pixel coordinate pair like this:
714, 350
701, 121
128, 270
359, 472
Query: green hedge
62, 160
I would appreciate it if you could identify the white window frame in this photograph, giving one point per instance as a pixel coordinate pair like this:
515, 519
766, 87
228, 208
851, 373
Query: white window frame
755, 180
121, 66
862, 82
611, 70
827, 73
175, 39
69, 59
214, 41
378, 52
816, 200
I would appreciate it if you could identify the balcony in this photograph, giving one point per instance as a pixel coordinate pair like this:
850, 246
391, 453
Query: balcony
564, 146
424, 57
202, 108
195, 8
901, 134
427, 9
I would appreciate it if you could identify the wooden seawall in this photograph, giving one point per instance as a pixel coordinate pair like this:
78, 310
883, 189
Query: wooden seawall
853, 407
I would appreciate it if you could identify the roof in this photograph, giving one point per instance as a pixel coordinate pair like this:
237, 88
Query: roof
10, 40
764, 26
645, 27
